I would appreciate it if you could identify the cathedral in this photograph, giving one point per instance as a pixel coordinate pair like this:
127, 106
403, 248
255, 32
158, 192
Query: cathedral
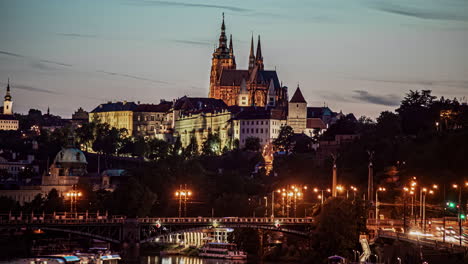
252, 87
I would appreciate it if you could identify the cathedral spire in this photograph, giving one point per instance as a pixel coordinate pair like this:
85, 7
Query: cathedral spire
222, 37
252, 55
231, 49
259, 57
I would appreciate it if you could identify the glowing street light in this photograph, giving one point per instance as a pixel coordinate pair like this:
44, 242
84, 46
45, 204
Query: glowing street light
183, 195
73, 195
380, 189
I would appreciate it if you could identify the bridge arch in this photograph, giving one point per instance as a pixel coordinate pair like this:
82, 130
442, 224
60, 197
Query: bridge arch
81, 233
237, 225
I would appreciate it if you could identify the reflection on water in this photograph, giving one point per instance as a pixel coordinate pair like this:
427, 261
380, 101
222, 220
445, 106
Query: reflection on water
186, 260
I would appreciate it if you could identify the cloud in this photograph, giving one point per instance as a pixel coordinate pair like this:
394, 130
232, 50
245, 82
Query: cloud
191, 42
76, 35
387, 100
449, 10
423, 83
35, 61
31, 88
132, 77
182, 4
11, 54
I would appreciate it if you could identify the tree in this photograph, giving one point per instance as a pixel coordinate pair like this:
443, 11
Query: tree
415, 112
157, 149
340, 224
192, 148
388, 125
212, 145
53, 202
133, 199
86, 134
252, 144
284, 140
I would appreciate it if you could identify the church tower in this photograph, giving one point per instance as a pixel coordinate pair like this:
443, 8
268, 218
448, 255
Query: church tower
223, 58
8, 103
243, 97
297, 112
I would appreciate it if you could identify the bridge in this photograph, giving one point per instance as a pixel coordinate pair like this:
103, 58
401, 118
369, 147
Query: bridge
118, 229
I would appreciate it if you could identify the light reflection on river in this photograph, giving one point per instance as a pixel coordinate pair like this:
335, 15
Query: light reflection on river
186, 260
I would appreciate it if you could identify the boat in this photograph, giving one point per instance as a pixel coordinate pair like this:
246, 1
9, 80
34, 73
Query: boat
52, 259
222, 250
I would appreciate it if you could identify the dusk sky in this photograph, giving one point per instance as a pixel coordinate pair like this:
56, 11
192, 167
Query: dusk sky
355, 56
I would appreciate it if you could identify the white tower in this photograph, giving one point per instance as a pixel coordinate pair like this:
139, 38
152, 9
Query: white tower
243, 97
8, 103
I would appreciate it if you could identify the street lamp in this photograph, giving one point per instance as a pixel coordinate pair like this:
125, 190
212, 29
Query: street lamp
183, 194
380, 189
73, 195
456, 186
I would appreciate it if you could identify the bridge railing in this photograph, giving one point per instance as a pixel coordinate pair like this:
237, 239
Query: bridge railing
210, 220
424, 241
59, 219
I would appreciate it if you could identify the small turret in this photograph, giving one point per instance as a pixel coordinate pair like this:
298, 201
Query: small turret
243, 97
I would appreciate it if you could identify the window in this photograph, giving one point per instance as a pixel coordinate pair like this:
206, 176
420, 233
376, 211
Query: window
243, 98
261, 130
261, 122
251, 130
152, 118
257, 122
256, 130
152, 128
243, 131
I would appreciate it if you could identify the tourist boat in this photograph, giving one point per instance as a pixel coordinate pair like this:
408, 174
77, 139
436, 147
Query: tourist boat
222, 250
53, 259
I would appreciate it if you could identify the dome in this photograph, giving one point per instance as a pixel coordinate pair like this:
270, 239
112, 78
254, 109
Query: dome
70, 155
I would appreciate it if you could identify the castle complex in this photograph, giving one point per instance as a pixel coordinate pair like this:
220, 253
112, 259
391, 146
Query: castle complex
254, 86
241, 104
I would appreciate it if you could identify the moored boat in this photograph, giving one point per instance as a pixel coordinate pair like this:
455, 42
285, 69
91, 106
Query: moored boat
222, 250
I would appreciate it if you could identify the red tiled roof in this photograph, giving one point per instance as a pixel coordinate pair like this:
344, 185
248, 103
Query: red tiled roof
298, 97
315, 123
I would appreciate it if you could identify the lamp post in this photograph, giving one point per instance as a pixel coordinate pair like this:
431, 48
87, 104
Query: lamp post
459, 187
380, 189
266, 205
321, 196
73, 195
183, 194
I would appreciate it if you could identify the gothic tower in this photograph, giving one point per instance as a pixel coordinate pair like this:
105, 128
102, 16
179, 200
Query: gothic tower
259, 57
8, 103
223, 58
252, 55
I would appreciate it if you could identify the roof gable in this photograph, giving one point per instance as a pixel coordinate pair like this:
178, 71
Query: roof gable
298, 97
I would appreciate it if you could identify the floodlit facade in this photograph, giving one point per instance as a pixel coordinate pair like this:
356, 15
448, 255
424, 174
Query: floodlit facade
118, 115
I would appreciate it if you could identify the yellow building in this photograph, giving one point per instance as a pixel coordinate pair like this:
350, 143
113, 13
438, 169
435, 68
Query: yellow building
118, 115
197, 117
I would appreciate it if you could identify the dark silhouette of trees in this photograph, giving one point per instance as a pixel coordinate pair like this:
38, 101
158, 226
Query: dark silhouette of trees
252, 144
